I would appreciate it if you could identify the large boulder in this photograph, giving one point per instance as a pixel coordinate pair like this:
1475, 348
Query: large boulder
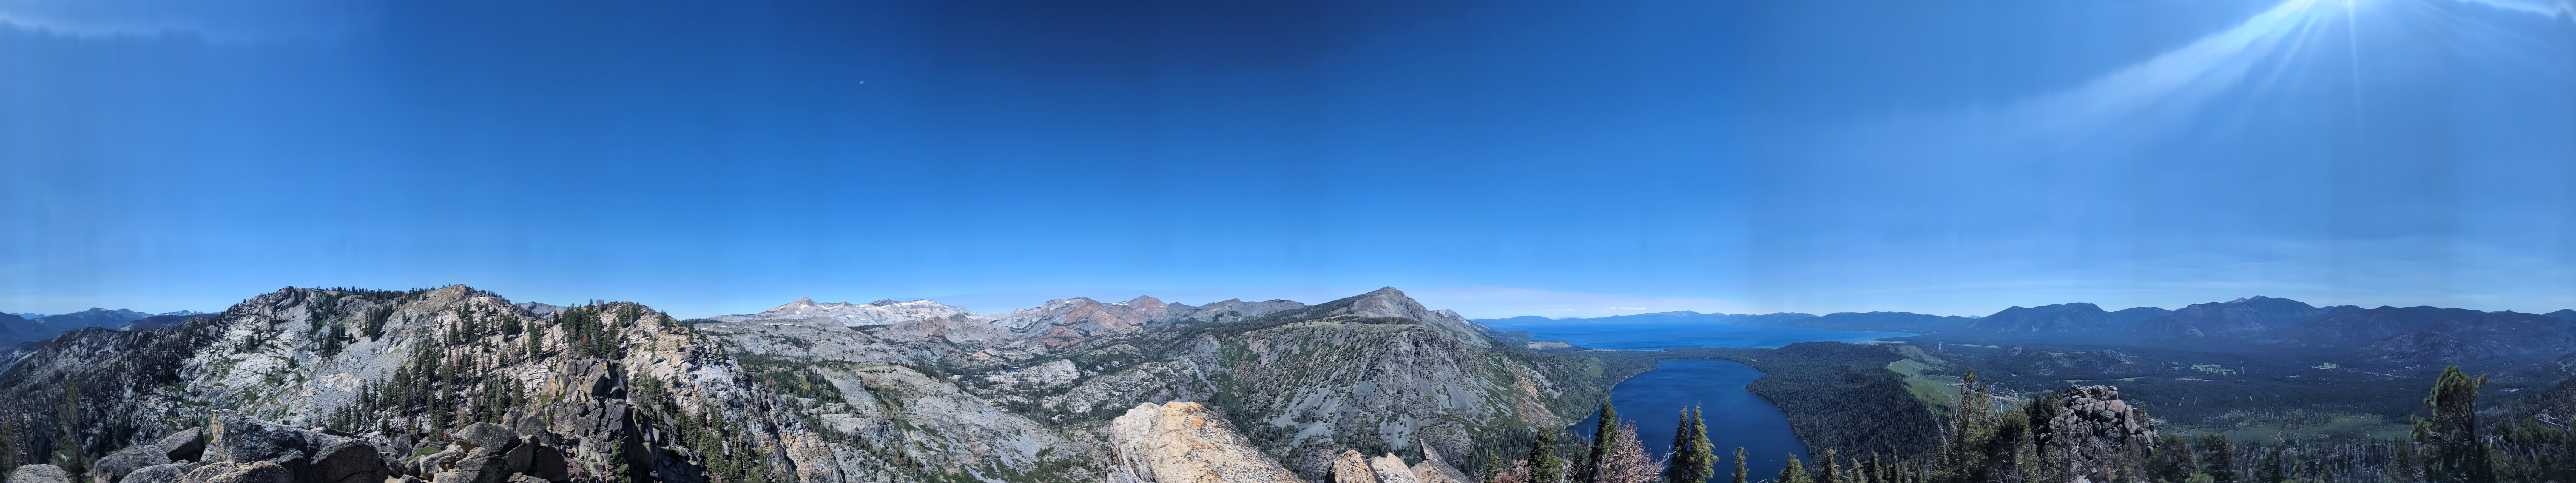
254, 472
1351, 468
485, 435
429, 466
160, 473
240, 439
1183, 442
116, 465
308, 456
1390, 469
346, 461
185, 445
1433, 470
39, 473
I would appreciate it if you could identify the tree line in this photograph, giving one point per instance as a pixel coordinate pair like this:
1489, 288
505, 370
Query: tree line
1984, 441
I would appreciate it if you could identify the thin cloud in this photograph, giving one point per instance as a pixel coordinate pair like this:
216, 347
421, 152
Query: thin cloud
226, 21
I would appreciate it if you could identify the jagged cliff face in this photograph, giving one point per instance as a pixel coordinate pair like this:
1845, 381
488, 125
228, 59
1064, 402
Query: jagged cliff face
1377, 373
404, 368
624, 393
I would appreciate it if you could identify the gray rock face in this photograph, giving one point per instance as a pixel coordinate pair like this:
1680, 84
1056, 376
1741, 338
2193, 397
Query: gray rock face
255, 472
1183, 442
346, 461
240, 439
2094, 428
185, 445
1433, 470
160, 473
485, 435
39, 473
307, 456
1350, 468
1390, 469
116, 465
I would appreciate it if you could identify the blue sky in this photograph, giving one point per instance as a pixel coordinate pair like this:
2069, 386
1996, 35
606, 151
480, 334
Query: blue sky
1499, 158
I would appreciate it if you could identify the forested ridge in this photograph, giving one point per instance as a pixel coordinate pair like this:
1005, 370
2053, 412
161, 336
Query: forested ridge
2089, 434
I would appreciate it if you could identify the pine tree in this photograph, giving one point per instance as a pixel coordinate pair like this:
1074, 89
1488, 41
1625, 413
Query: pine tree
1740, 473
1794, 472
1605, 436
1694, 458
1833, 469
2218, 457
2450, 437
8, 435
1873, 471
1545, 466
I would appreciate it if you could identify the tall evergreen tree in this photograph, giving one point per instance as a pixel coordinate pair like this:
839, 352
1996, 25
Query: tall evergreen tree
1545, 466
2217, 457
1873, 471
1740, 473
1605, 437
2450, 437
1794, 472
1833, 468
1694, 458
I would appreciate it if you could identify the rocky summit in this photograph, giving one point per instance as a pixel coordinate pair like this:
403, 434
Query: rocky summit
458, 385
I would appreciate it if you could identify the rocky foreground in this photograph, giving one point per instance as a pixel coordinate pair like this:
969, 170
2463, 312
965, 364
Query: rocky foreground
456, 385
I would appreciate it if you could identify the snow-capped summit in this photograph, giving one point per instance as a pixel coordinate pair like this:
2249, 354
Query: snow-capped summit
881, 312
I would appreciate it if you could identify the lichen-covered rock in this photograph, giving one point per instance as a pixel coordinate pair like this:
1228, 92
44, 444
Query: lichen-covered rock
346, 461
185, 445
1433, 470
39, 473
116, 465
257, 472
2094, 430
160, 473
1183, 442
485, 435
1350, 467
239, 438
253, 472
1390, 469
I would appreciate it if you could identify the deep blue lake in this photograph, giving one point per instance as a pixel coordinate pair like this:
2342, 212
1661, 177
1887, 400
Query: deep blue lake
1736, 417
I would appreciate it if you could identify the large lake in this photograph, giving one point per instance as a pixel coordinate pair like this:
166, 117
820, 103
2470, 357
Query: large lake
1736, 417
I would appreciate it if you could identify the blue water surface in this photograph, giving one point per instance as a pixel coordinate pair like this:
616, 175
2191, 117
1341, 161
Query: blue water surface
1735, 417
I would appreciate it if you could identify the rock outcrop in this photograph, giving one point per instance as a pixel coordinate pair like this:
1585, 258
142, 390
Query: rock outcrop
2093, 429
39, 473
116, 465
1184, 442
160, 473
185, 445
611, 390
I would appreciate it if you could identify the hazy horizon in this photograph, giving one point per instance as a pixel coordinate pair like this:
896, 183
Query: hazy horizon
1498, 159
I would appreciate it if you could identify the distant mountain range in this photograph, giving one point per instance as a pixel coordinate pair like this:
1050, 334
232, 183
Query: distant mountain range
2385, 334
18, 327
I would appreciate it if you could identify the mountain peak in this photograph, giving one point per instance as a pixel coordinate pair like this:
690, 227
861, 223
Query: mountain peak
881, 312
